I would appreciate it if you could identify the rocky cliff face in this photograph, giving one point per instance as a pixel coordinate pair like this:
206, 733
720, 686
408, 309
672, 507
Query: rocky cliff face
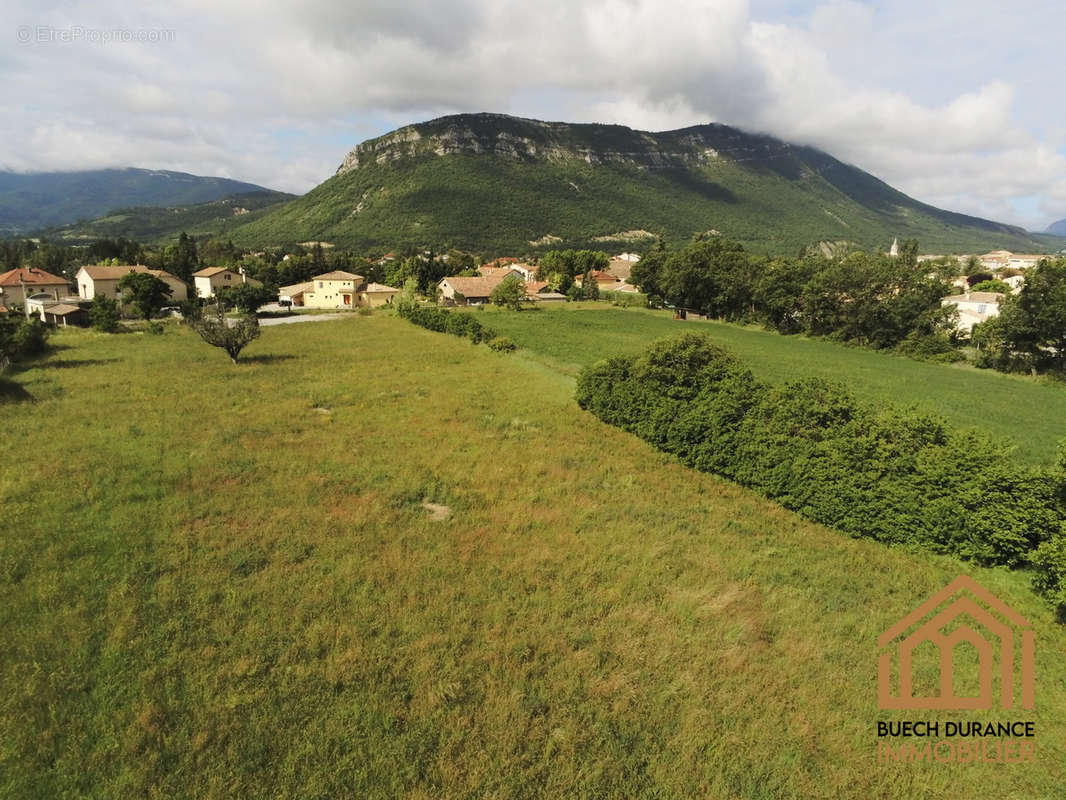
532, 140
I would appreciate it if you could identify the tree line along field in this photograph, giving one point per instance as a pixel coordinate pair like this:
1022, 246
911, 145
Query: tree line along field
220, 581
1030, 413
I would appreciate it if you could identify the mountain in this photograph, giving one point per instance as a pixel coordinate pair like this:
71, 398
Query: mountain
1057, 228
29, 201
153, 225
500, 183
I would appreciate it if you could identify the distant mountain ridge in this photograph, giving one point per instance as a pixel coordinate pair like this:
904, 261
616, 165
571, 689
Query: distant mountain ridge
1057, 228
163, 224
491, 181
29, 201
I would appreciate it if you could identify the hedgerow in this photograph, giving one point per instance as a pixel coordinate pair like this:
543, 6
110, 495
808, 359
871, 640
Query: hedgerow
443, 321
894, 475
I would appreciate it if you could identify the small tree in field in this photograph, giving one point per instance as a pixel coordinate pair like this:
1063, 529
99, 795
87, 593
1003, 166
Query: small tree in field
217, 331
146, 293
509, 293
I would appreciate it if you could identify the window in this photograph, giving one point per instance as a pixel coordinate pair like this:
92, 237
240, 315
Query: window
981, 308
227, 276
320, 284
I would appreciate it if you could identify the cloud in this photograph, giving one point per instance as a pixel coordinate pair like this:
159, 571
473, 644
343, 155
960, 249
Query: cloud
275, 91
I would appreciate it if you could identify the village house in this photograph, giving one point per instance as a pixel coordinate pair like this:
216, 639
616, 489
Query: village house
294, 295
1024, 261
527, 271
59, 313
605, 281
1001, 259
337, 289
973, 308
501, 272
1015, 282
621, 268
36, 281
210, 278
468, 291
377, 294
103, 281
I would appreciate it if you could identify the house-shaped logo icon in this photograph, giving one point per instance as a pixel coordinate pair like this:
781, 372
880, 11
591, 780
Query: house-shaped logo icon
964, 598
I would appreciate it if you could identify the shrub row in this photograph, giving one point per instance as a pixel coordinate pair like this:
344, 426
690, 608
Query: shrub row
893, 475
444, 321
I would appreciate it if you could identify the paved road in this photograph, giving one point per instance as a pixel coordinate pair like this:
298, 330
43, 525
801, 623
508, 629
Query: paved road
268, 321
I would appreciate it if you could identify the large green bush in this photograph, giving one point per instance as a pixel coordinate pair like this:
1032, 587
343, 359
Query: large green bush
21, 339
894, 475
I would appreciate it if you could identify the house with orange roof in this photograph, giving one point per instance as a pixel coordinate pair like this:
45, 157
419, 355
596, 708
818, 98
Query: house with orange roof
605, 281
17, 284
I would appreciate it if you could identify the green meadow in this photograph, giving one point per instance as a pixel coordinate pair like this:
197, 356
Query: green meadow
1030, 413
376, 561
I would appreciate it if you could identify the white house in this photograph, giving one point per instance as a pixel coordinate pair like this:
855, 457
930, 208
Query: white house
974, 307
210, 278
1015, 282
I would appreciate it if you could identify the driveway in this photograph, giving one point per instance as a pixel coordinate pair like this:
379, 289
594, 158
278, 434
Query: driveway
269, 321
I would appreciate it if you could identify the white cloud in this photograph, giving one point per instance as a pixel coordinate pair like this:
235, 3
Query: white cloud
937, 101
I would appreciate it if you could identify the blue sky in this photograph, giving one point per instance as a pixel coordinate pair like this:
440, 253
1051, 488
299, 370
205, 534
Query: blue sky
956, 103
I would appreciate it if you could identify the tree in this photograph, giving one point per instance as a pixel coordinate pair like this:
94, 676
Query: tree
104, 314
646, 272
181, 258
778, 292
991, 286
509, 293
20, 338
244, 297
407, 299
145, 292
1038, 327
590, 290
714, 276
218, 331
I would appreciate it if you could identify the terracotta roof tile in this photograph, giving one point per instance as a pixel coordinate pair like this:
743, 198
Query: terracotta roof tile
31, 277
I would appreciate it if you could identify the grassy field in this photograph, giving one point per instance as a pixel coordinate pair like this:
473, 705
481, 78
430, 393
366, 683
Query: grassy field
1030, 413
220, 582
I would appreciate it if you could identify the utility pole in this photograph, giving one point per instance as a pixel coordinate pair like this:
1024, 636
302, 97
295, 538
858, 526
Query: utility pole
25, 297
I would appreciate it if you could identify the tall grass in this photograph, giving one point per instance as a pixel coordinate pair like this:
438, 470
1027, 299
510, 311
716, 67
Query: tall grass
220, 581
